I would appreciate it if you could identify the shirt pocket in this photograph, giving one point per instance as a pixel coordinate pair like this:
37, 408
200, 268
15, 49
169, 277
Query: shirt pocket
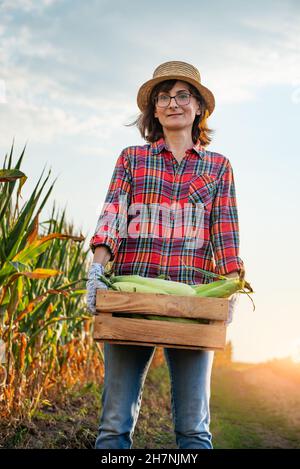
202, 190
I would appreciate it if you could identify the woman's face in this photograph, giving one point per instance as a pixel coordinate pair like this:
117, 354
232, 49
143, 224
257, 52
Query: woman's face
174, 116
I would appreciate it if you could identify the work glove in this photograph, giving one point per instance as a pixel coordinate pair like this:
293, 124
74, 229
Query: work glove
92, 284
232, 300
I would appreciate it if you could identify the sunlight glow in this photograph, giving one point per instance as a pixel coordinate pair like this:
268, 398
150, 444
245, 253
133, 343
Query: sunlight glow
295, 352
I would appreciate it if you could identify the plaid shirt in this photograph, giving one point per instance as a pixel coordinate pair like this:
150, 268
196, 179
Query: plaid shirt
150, 176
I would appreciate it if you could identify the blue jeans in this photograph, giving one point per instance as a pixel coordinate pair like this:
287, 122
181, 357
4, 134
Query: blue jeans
126, 368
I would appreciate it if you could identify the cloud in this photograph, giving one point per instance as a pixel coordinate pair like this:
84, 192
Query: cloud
77, 72
280, 58
26, 5
2, 92
39, 106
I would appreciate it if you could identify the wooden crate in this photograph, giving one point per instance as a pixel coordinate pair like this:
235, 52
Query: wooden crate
119, 330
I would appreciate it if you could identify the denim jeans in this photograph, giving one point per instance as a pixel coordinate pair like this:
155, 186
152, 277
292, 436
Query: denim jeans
126, 368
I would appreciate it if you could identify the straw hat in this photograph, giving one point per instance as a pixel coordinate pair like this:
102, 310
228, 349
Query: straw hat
179, 71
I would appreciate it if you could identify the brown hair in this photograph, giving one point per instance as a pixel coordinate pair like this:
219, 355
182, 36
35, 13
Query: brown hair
150, 127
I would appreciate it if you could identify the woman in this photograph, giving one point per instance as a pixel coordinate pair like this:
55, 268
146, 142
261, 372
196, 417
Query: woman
173, 172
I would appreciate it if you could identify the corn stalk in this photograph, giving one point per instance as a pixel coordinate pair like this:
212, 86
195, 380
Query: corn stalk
42, 307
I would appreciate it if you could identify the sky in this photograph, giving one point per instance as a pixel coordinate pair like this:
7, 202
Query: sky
69, 76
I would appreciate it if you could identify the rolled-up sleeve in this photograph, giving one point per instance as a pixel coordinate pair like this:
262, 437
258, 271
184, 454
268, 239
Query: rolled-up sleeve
224, 225
112, 223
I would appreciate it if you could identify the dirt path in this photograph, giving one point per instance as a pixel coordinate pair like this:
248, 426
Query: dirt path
256, 406
279, 390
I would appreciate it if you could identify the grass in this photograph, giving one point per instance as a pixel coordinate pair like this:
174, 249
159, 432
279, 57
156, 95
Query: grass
68, 424
244, 413
154, 427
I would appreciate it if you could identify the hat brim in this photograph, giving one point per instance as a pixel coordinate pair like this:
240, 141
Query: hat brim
145, 91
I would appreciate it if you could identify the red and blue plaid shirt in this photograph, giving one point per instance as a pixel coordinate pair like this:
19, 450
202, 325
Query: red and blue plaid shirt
142, 242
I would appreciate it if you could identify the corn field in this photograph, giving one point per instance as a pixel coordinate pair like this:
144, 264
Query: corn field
45, 328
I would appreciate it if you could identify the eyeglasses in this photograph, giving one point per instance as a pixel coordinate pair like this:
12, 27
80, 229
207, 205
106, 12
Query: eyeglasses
181, 99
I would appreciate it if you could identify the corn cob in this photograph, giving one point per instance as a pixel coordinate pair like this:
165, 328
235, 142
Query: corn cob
220, 288
161, 318
135, 283
136, 287
125, 278
167, 286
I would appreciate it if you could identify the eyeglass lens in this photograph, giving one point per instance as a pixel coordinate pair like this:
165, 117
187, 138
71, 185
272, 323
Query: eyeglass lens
163, 100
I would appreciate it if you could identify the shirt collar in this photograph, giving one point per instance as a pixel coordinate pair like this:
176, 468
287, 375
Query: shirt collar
160, 144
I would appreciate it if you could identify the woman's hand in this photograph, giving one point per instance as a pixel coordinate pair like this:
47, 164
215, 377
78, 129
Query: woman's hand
232, 274
92, 284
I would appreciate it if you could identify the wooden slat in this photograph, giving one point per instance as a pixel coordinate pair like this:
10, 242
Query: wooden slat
163, 305
145, 344
159, 332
